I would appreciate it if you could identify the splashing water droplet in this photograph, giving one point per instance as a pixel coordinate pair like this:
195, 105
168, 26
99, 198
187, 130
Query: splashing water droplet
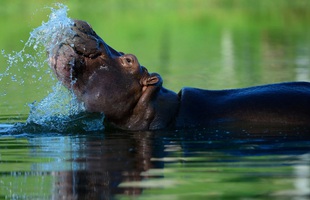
42, 39
60, 110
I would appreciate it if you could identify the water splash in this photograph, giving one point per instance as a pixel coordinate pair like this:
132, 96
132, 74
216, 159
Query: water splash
60, 110
41, 40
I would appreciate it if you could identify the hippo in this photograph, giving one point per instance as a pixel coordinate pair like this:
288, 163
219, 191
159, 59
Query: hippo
114, 83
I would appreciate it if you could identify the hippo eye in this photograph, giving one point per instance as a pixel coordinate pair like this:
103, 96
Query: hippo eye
128, 60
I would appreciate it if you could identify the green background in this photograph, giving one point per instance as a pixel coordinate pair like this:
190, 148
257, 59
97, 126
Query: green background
212, 44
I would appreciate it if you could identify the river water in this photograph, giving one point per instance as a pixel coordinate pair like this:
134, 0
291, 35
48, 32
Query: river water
188, 164
49, 149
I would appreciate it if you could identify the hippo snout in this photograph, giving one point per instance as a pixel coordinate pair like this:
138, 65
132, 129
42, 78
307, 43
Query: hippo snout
70, 56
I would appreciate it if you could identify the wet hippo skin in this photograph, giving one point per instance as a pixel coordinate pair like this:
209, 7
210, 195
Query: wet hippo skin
131, 98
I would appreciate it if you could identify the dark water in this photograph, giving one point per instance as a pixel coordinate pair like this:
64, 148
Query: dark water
191, 164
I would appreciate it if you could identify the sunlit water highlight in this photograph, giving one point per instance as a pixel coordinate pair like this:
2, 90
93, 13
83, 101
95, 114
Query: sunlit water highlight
60, 110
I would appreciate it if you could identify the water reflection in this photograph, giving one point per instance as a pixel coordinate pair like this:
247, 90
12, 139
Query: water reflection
97, 165
302, 173
202, 44
107, 165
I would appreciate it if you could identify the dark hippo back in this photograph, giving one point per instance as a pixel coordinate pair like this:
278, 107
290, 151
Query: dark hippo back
281, 104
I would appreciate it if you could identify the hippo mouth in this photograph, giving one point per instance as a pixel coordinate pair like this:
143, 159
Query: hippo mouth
69, 57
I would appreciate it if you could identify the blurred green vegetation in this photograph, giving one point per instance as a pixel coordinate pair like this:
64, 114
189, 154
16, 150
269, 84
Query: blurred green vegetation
17, 178
212, 44
203, 179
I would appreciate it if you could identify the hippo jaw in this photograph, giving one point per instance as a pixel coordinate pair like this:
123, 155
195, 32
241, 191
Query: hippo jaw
105, 80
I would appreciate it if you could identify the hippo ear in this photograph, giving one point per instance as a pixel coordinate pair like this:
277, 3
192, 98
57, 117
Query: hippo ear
153, 79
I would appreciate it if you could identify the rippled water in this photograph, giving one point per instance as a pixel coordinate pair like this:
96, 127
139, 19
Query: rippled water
59, 152
189, 164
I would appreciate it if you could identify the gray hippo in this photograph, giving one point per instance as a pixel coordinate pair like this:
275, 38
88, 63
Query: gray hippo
131, 98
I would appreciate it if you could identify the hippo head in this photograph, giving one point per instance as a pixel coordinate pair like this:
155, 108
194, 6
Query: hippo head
104, 79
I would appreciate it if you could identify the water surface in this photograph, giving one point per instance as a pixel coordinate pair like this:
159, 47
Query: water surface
207, 44
151, 165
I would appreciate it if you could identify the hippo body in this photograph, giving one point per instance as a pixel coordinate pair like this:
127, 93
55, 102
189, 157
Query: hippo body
276, 104
114, 83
